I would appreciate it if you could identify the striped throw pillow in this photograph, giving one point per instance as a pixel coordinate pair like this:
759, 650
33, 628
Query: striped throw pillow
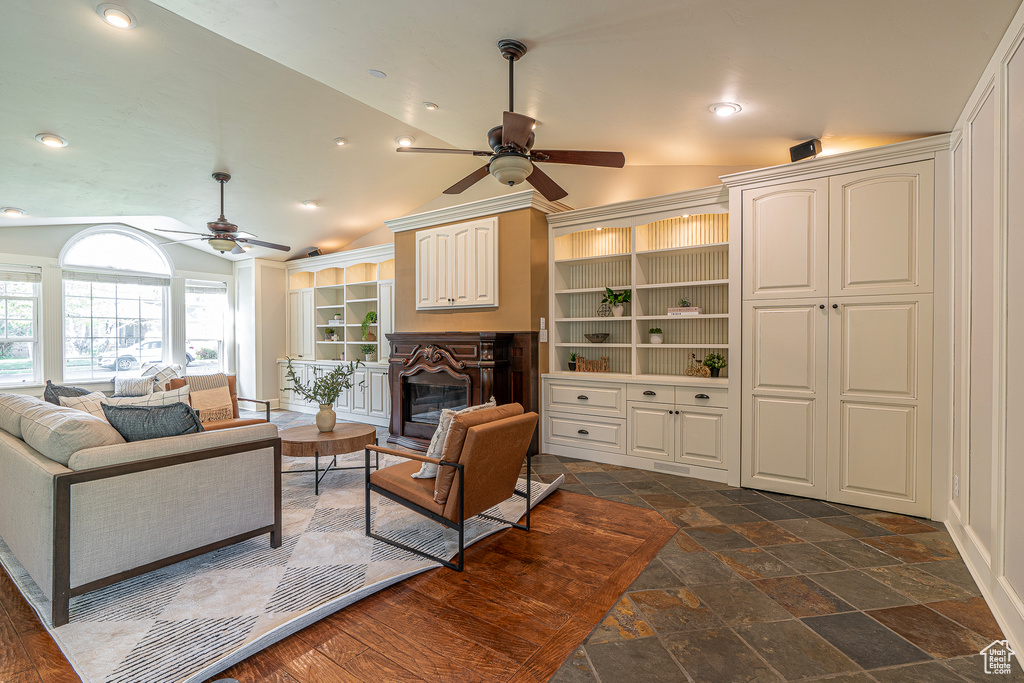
157, 398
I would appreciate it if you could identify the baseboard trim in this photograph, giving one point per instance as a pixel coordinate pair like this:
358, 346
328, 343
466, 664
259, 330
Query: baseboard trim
1006, 605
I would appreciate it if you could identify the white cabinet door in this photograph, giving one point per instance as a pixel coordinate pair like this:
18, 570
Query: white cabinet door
457, 265
461, 259
295, 324
385, 317
651, 430
483, 264
881, 225
785, 381
432, 260
379, 390
283, 383
785, 240
360, 388
879, 425
701, 436
308, 345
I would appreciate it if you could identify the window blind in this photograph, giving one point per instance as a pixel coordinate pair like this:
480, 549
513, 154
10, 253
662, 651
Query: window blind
20, 274
116, 278
204, 287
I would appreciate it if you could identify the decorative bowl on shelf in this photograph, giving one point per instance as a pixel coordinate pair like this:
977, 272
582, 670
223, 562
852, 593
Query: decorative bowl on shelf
596, 337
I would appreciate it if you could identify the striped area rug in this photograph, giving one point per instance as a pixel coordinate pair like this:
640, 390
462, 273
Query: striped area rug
186, 622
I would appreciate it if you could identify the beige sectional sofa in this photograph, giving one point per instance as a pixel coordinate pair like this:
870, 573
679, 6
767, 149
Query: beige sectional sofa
81, 508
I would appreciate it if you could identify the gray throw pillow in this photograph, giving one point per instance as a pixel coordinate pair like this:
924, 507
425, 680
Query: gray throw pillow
138, 423
53, 392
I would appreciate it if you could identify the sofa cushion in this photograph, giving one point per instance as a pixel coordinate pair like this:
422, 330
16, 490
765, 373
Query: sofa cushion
53, 392
429, 470
157, 398
90, 403
398, 479
133, 386
139, 423
12, 406
58, 432
457, 437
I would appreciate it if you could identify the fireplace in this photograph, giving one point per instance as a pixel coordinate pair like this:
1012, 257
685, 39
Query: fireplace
437, 370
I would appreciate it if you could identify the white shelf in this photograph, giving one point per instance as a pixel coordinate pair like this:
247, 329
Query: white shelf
693, 283
682, 346
675, 251
332, 306
704, 316
330, 342
605, 345
335, 325
587, 290
363, 282
594, 259
590, 320
329, 287
360, 301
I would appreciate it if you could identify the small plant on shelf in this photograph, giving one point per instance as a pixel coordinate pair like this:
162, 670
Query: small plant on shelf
369, 351
715, 362
657, 336
370, 319
684, 303
617, 300
329, 333
572, 361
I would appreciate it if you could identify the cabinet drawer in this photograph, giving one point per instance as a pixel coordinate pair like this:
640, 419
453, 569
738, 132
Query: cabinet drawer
598, 399
586, 432
651, 393
687, 396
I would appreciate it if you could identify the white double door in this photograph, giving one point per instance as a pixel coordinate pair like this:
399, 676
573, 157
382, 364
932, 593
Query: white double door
456, 265
837, 339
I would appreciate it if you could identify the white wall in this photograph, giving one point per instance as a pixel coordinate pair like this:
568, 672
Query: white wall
261, 292
986, 501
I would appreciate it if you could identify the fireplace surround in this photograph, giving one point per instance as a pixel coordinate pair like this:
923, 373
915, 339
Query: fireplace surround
431, 371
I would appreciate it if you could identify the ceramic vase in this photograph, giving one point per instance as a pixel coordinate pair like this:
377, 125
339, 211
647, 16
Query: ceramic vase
370, 337
618, 310
326, 418
657, 339
371, 358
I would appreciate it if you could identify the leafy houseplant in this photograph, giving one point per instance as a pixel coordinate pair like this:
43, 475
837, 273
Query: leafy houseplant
370, 351
572, 361
329, 333
324, 388
370, 319
657, 336
715, 362
684, 303
617, 300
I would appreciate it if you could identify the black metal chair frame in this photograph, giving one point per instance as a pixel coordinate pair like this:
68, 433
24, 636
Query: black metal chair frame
459, 526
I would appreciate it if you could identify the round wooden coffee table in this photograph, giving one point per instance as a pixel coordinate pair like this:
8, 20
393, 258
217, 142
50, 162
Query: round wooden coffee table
310, 442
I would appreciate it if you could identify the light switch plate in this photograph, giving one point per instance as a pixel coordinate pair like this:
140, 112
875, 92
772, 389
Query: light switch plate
543, 336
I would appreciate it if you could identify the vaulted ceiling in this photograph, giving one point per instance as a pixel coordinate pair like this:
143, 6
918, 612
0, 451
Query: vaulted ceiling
261, 88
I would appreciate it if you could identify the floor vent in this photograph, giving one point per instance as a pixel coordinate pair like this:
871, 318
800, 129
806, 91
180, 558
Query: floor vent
671, 467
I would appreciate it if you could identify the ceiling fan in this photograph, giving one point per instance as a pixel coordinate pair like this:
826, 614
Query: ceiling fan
512, 157
225, 235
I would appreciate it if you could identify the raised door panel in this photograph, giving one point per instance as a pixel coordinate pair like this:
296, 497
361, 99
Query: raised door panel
295, 324
651, 431
308, 346
785, 240
385, 317
379, 406
484, 279
701, 437
462, 265
785, 382
282, 382
432, 260
881, 226
360, 389
879, 427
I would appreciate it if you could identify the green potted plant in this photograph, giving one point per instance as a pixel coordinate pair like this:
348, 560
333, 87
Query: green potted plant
330, 334
572, 361
617, 300
657, 336
324, 388
370, 352
714, 362
370, 319
684, 303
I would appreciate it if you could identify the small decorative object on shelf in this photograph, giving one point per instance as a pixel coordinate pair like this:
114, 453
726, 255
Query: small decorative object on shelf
714, 362
370, 352
329, 334
323, 389
341, 356
584, 365
337, 317
572, 362
657, 336
596, 337
684, 307
604, 310
695, 369
617, 300
370, 319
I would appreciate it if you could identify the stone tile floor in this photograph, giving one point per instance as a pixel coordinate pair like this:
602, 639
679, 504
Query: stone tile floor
760, 586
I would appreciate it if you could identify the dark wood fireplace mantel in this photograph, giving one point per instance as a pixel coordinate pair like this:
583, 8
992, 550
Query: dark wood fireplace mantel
477, 364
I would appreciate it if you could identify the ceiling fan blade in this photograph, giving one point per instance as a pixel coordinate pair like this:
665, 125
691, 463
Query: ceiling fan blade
191, 239
571, 156
182, 232
516, 129
470, 180
238, 249
545, 185
441, 150
268, 245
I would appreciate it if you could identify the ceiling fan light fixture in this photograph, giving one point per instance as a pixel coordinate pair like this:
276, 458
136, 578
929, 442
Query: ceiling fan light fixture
511, 169
51, 140
220, 244
12, 211
116, 16
405, 140
725, 108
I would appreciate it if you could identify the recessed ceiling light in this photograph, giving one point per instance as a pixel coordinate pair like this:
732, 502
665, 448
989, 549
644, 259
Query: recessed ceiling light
116, 16
430, 105
340, 142
12, 211
311, 203
246, 247
725, 108
405, 140
51, 140
376, 73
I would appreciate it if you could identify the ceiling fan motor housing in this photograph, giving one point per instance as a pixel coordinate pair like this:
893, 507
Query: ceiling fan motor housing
494, 140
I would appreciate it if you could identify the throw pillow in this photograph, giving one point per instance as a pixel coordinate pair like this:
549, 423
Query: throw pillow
138, 423
161, 374
429, 470
58, 433
53, 392
157, 398
12, 407
210, 395
90, 403
457, 438
133, 386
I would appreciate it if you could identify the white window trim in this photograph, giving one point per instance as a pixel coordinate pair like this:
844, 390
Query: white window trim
36, 340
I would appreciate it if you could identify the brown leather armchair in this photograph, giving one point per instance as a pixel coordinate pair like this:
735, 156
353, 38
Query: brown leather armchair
482, 459
235, 420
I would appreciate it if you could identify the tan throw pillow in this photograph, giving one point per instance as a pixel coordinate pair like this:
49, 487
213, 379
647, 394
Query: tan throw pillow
428, 470
90, 403
210, 397
457, 438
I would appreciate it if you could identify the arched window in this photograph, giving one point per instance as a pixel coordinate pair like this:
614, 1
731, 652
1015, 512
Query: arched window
115, 303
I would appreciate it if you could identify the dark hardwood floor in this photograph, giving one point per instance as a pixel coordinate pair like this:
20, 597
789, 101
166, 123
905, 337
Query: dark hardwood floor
525, 601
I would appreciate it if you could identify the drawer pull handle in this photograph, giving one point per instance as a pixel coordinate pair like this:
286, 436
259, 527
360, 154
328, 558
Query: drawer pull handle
650, 393
582, 431
581, 397
702, 396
